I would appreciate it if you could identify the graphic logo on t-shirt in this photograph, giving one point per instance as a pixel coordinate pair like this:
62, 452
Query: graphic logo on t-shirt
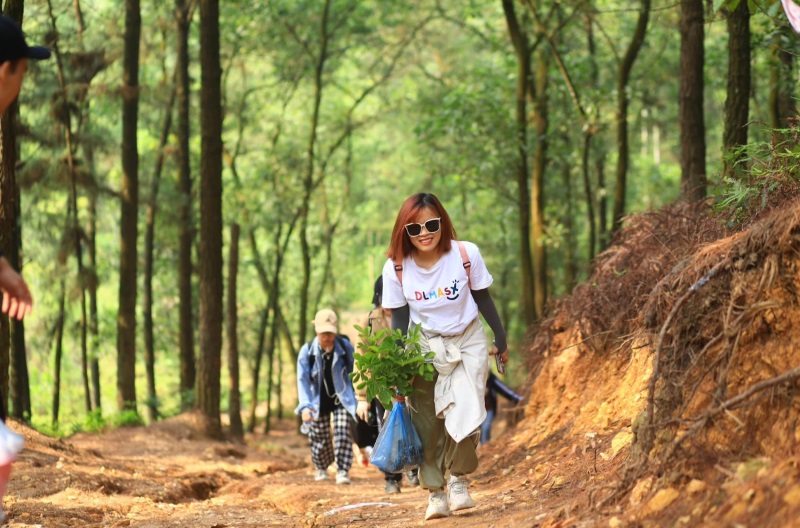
450, 293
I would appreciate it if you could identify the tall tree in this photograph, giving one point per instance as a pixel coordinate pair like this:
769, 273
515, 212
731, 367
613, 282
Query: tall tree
540, 125
231, 318
690, 102
782, 84
12, 336
129, 230
308, 176
58, 353
207, 388
520, 41
183, 17
149, 264
90, 283
623, 79
67, 106
737, 102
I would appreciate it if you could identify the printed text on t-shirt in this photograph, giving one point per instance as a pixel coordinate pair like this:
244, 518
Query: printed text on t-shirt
450, 293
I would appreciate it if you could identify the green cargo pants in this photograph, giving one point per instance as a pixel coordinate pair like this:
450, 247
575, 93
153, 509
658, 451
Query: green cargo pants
440, 452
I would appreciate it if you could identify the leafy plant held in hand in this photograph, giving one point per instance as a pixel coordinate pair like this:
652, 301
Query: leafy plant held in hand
388, 362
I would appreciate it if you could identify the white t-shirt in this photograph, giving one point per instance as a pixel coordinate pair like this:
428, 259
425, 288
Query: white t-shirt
438, 298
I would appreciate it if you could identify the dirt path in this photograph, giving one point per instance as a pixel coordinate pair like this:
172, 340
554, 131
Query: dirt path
165, 476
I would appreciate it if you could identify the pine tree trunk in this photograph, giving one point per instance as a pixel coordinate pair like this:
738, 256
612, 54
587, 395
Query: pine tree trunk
129, 230
541, 124
594, 223
270, 376
570, 265
308, 178
19, 382
59, 331
234, 399
9, 209
89, 327
149, 236
185, 227
262, 332
94, 329
737, 103
209, 359
690, 102
623, 79
521, 47
782, 107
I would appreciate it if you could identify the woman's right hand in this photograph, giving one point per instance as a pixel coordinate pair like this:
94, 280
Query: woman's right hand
362, 410
307, 415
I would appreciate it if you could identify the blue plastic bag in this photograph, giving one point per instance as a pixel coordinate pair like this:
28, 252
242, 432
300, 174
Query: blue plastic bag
398, 447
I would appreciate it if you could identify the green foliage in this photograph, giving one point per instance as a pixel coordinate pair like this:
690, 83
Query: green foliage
94, 422
128, 418
389, 362
764, 174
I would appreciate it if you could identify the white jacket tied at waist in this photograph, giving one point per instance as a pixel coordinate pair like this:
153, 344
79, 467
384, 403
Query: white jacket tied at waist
462, 364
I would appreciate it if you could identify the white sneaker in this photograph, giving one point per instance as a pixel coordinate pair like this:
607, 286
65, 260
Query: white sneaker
459, 494
341, 477
321, 475
437, 505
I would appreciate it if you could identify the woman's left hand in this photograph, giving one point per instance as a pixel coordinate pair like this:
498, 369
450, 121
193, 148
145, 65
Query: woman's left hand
495, 351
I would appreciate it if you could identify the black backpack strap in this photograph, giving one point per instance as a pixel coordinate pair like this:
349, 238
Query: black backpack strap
398, 269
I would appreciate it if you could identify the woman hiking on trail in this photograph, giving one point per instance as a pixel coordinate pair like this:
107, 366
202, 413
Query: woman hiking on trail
442, 284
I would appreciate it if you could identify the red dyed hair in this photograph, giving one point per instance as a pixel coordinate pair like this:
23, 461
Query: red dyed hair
400, 245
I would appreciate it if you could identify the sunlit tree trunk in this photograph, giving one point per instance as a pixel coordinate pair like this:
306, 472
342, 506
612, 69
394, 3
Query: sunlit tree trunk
737, 102
149, 267
690, 102
521, 47
75, 234
570, 264
90, 273
256, 378
234, 400
308, 178
623, 79
271, 378
94, 329
59, 338
207, 386
540, 124
12, 336
782, 107
273, 383
185, 219
595, 223
129, 230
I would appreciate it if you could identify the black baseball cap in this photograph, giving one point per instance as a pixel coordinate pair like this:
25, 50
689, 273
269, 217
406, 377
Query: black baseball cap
13, 46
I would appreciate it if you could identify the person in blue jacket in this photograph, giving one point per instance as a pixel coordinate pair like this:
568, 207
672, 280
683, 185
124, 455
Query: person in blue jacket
494, 387
325, 390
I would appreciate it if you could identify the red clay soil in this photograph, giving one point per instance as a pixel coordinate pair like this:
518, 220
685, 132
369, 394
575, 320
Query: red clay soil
165, 476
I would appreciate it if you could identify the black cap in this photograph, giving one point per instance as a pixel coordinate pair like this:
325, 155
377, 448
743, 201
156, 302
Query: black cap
13, 46
377, 296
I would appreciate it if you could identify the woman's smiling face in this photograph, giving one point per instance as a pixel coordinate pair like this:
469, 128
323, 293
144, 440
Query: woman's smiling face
426, 242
